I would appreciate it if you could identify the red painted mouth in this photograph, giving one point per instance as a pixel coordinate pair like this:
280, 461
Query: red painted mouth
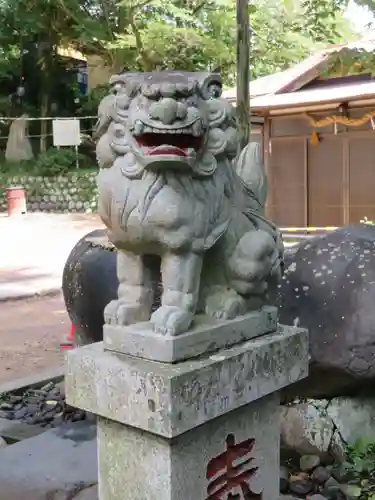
169, 144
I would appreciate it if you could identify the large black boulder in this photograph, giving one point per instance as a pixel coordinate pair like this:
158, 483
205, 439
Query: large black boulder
89, 283
328, 287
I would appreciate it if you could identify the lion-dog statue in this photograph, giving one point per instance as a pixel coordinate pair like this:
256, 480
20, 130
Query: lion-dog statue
168, 190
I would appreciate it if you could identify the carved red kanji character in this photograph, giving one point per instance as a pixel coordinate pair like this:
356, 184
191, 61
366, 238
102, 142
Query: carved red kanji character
224, 475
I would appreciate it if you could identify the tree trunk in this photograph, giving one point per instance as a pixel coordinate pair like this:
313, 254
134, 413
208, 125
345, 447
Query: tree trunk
243, 73
43, 123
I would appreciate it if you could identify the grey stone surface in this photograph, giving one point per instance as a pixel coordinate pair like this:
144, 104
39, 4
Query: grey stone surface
13, 430
305, 429
353, 417
139, 465
18, 146
207, 335
36, 379
169, 399
54, 463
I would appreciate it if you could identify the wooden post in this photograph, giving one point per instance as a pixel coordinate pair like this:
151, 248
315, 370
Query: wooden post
243, 73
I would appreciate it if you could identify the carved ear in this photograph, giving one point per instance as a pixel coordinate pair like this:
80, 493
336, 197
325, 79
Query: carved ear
251, 170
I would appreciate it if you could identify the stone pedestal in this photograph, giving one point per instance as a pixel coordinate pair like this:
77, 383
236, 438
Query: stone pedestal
201, 429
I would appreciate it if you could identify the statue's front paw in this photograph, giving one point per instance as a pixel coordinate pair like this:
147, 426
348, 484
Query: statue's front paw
122, 313
171, 320
225, 304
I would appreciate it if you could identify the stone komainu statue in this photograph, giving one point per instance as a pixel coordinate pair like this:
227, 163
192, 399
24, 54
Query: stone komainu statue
169, 187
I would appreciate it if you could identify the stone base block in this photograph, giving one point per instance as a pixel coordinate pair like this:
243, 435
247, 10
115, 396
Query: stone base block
204, 429
236, 454
169, 399
207, 335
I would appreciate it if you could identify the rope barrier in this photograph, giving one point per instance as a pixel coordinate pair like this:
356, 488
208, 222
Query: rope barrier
342, 120
30, 119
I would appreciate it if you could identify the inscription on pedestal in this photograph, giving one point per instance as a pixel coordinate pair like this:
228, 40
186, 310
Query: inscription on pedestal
232, 470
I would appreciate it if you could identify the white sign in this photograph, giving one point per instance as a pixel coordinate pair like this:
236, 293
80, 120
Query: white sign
66, 133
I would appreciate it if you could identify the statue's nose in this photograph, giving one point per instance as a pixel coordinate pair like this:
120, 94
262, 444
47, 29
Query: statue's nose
168, 110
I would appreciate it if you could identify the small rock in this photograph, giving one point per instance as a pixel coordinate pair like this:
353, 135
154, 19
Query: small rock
331, 489
320, 475
6, 414
47, 387
284, 479
300, 484
54, 394
3, 443
48, 418
40, 393
15, 399
308, 463
6, 406
50, 405
31, 410
33, 401
20, 414
341, 473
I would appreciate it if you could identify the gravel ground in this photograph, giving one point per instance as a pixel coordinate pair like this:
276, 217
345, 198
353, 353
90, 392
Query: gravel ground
30, 334
44, 406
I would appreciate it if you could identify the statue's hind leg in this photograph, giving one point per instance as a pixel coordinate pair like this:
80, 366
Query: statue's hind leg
217, 298
135, 291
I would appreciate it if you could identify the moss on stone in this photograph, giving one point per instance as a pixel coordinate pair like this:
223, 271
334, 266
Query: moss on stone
75, 191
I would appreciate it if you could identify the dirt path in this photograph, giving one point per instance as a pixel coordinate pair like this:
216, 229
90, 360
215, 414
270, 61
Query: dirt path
30, 333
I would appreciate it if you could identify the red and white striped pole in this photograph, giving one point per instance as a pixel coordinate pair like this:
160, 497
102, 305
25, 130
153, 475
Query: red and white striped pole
69, 343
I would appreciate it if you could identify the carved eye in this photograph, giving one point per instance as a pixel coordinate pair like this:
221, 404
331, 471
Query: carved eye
214, 91
117, 88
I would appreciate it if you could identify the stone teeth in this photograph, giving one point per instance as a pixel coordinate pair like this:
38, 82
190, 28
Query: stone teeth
197, 128
138, 127
146, 129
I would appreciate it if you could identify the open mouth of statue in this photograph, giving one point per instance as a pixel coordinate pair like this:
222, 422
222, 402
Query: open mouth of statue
161, 144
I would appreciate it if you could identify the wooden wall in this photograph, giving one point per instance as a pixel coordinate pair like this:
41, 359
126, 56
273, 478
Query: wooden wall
329, 184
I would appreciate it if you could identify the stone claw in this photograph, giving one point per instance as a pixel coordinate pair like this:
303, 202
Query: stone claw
118, 312
171, 320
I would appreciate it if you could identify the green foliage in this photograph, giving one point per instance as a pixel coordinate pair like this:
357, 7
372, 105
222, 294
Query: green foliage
352, 62
144, 35
90, 103
284, 32
360, 469
57, 162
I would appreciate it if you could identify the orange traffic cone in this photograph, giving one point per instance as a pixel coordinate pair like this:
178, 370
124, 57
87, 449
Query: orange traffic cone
69, 344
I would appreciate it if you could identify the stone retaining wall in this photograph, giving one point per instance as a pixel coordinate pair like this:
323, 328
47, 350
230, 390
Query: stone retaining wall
74, 192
